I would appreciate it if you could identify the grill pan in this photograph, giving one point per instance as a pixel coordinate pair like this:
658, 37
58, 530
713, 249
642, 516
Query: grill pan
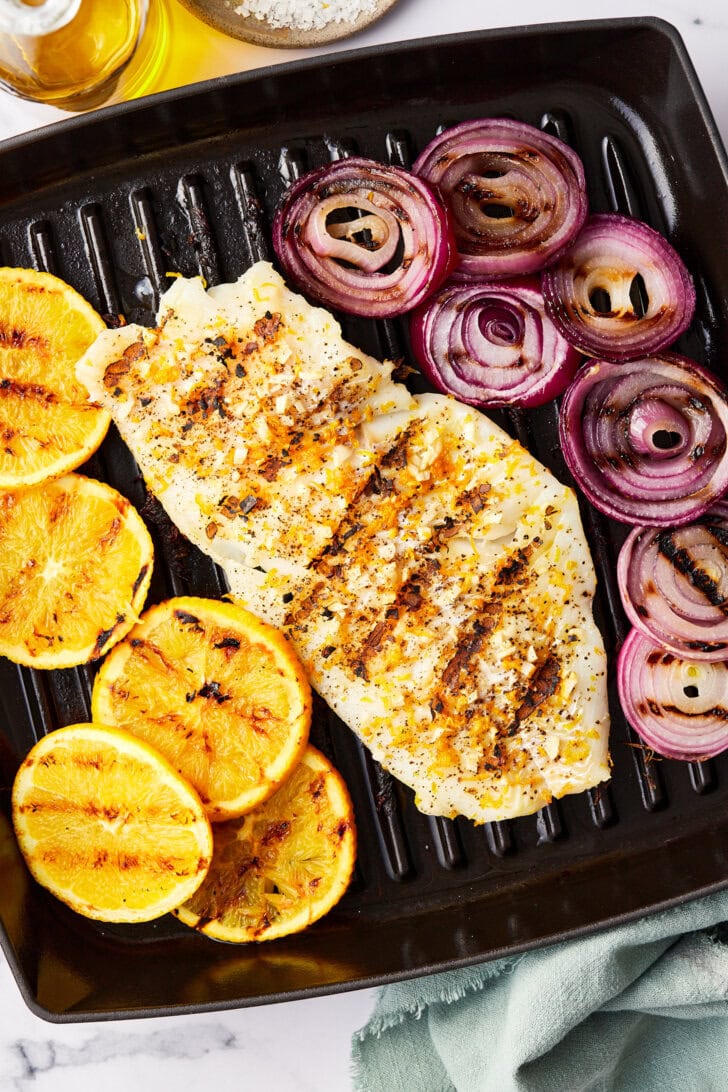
186, 182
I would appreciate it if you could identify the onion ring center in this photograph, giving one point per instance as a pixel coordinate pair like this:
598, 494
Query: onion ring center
501, 325
658, 429
693, 687
348, 228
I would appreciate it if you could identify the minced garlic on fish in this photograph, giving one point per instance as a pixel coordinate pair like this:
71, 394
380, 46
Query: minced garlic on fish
433, 575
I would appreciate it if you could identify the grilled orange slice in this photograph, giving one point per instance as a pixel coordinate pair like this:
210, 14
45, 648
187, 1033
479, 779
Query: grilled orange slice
283, 866
220, 693
48, 425
75, 566
108, 826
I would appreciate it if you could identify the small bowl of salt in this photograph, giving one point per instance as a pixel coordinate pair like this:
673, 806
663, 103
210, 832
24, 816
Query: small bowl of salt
288, 24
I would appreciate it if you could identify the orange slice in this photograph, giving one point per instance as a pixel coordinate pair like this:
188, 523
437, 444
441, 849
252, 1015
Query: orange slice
75, 566
48, 425
220, 693
283, 866
108, 826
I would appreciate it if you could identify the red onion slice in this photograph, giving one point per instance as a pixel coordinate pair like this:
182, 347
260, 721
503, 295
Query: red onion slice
677, 706
620, 291
492, 344
674, 584
646, 440
364, 238
517, 194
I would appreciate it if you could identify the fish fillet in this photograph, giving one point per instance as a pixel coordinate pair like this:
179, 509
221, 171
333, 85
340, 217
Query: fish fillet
433, 575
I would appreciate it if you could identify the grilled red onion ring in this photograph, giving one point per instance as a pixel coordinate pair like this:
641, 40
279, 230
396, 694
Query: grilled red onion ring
677, 706
492, 344
620, 291
364, 238
517, 194
646, 440
674, 584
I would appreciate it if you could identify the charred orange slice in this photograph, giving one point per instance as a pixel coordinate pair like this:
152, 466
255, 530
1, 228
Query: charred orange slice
48, 425
220, 693
75, 566
282, 867
108, 826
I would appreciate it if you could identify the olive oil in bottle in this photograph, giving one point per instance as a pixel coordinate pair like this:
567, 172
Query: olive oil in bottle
77, 54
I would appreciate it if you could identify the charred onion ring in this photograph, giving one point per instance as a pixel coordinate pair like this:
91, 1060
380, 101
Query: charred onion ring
646, 440
364, 238
677, 706
517, 194
674, 584
492, 344
620, 291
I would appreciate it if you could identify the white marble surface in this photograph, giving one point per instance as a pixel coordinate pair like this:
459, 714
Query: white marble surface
300, 1046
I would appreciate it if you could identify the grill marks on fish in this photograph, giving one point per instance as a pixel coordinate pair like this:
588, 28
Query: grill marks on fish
542, 685
467, 646
391, 493
376, 503
509, 712
369, 637
486, 608
296, 443
383, 499
116, 372
376, 499
411, 600
311, 434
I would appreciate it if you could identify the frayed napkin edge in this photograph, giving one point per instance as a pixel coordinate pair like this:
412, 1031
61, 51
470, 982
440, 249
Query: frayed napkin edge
476, 978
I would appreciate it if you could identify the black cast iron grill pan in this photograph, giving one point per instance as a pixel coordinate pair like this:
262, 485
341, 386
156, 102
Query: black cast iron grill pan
187, 182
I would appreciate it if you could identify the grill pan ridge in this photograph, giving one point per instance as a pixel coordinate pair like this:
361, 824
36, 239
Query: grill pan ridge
187, 182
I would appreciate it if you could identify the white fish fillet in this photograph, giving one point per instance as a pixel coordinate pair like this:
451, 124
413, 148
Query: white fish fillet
434, 576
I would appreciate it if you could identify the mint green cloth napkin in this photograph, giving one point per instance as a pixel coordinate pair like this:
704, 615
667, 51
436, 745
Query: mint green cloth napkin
642, 1007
